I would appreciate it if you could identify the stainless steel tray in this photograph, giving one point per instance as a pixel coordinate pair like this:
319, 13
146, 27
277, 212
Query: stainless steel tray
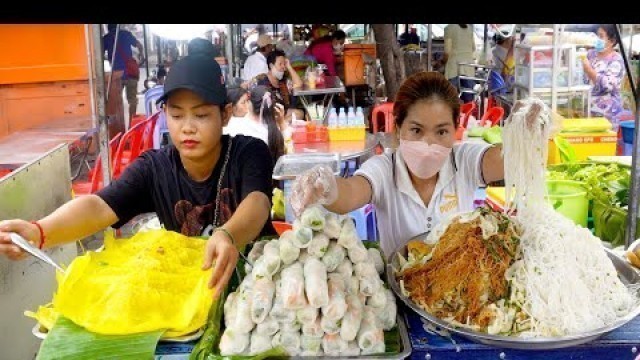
625, 272
290, 166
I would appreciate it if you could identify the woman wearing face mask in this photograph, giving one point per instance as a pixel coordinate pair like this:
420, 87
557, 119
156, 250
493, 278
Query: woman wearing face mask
604, 68
427, 179
325, 49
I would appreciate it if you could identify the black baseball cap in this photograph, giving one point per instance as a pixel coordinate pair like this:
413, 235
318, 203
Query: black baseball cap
199, 74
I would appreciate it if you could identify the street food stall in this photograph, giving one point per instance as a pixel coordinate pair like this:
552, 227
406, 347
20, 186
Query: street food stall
523, 277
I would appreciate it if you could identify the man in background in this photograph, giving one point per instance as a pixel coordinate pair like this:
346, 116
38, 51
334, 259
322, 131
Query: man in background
409, 37
123, 61
256, 63
459, 47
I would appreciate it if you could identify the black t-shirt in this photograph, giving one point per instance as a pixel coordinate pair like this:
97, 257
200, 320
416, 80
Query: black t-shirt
157, 182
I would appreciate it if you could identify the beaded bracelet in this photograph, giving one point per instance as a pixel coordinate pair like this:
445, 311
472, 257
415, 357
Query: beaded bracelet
42, 237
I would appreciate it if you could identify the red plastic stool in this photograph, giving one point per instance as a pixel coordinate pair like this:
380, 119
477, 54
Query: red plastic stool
386, 110
466, 110
492, 116
136, 119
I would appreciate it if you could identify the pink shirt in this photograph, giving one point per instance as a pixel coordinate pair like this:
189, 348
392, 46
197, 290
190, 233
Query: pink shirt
323, 52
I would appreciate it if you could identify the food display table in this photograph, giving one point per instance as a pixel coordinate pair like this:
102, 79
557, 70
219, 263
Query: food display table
621, 344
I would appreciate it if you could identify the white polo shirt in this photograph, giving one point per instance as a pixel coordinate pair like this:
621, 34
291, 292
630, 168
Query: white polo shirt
400, 211
255, 64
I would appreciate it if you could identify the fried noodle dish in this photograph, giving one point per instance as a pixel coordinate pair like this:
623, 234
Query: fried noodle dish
464, 275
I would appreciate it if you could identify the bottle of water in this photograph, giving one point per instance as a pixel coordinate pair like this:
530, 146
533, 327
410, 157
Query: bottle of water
342, 118
359, 117
351, 117
333, 118
578, 78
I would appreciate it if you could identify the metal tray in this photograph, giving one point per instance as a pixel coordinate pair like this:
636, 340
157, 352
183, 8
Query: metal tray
625, 272
37, 332
289, 166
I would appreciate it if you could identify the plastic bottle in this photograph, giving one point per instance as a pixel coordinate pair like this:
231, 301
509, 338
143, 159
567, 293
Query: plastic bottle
578, 78
359, 117
351, 117
333, 118
342, 118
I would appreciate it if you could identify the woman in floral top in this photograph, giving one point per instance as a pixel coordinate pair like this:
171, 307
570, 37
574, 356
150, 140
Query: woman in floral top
604, 67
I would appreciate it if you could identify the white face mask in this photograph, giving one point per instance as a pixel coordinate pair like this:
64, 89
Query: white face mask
338, 48
278, 74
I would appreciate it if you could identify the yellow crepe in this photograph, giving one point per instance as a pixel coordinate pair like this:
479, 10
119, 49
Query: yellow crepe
148, 282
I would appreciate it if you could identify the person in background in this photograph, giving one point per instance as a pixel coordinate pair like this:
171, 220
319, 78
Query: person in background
276, 82
324, 50
161, 75
262, 108
203, 47
409, 37
238, 97
604, 68
124, 54
426, 180
205, 184
503, 55
256, 63
260, 121
459, 47
403, 39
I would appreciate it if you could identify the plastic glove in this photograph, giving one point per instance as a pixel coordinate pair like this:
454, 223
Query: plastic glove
317, 185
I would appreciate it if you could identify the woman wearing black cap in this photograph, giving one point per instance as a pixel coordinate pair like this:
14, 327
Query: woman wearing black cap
206, 184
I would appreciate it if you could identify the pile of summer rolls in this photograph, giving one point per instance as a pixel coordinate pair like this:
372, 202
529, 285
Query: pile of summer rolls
314, 291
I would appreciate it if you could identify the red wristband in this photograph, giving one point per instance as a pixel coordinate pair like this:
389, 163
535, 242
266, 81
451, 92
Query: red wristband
42, 237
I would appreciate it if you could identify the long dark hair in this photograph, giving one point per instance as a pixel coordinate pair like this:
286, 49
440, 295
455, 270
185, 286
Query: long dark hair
275, 140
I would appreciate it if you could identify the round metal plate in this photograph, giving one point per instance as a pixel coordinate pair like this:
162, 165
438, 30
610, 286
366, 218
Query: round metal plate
625, 272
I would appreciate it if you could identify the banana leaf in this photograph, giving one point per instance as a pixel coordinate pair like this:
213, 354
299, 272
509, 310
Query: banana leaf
68, 341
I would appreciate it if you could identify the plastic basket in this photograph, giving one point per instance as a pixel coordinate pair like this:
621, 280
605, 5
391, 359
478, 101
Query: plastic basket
570, 199
303, 134
347, 134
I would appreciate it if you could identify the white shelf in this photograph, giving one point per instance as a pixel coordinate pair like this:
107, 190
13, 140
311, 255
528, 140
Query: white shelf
538, 69
560, 89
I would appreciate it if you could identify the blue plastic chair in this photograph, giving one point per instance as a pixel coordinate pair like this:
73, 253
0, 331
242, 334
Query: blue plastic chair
497, 85
150, 98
